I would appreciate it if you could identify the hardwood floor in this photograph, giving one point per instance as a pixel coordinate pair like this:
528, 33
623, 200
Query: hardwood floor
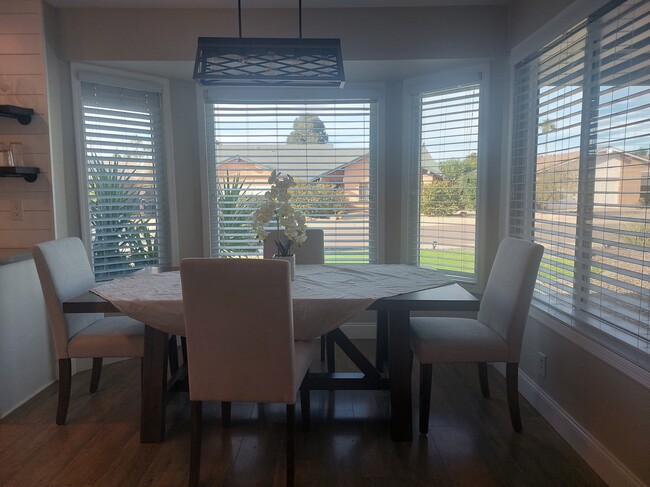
470, 440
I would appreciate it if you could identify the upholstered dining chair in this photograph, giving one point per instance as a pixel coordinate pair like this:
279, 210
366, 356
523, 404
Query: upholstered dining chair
240, 342
64, 272
496, 334
311, 252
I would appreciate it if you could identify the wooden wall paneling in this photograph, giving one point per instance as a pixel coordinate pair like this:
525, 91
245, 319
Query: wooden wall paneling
20, 6
23, 83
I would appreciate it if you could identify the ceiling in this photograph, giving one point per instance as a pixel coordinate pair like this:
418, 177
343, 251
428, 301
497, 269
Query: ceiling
268, 3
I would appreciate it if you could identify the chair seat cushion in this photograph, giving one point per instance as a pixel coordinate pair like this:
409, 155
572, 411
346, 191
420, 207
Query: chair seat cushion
115, 336
443, 340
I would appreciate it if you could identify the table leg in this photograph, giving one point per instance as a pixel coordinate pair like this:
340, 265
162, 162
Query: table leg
381, 356
154, 386
400, 361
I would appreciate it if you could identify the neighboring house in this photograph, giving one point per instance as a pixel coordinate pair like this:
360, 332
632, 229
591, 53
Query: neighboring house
353, 179
621, 178
344, 168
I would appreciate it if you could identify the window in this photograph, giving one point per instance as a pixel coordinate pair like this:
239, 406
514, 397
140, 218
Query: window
579, 175
123, 176
446, 148
327, 147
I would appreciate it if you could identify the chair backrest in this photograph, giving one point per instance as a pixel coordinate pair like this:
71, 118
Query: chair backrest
509, 290
239, 328
64, 271
311, 252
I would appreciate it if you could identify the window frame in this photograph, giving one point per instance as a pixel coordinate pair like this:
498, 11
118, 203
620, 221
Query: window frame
474, 73
371, 91
604, 347
100, 74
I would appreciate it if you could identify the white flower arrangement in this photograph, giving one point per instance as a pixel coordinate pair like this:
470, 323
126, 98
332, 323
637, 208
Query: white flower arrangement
277, 205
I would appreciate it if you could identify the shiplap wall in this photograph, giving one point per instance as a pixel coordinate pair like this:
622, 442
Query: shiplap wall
23, 83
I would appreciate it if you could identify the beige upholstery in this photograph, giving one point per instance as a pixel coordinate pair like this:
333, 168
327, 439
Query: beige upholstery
311, 252
240, 341
64, 272
497, 333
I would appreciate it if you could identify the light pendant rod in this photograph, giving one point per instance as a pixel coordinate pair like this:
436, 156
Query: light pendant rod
299, 19
239, 10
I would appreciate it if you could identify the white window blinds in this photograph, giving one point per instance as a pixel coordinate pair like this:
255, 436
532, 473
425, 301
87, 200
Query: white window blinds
327, 147
579, 174
124, 170
447, 148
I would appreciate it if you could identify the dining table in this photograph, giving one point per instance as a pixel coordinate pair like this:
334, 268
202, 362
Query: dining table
324, 298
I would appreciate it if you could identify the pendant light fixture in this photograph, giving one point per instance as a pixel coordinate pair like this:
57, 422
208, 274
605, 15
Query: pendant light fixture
232, 61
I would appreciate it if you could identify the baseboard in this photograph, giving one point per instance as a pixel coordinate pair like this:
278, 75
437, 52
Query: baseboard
597, 456
31, 396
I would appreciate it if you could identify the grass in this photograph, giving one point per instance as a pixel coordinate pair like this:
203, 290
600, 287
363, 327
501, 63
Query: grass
462, 261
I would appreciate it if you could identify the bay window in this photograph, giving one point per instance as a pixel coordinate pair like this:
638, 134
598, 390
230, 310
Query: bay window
579, 171
122, 173
444, 145
328, 147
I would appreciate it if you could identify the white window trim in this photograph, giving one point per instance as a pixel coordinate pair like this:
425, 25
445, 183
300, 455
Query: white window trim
105, 75
429, 82
372, 91
558, 25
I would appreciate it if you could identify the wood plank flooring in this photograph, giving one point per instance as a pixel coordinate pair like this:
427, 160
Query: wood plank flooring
470, 440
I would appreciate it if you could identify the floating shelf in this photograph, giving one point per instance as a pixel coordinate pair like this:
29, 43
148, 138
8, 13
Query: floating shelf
23, 115
28, 173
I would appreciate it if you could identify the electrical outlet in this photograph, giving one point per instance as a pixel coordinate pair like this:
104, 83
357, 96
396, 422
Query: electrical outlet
541, 364
17, 210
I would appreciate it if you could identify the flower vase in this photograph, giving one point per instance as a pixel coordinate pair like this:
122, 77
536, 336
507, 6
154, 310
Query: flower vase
291, 259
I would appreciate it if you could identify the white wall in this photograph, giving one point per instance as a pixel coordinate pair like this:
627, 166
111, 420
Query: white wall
26, 350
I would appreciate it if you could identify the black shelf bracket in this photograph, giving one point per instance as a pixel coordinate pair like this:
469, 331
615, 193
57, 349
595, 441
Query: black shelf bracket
23, 115
29, 174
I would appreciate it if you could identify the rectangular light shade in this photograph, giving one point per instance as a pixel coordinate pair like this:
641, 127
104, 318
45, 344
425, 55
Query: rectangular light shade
235, 61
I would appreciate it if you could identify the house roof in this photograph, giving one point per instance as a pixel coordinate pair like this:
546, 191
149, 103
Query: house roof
303, 162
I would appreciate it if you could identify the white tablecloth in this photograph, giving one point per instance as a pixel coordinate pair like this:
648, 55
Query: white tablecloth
324, 296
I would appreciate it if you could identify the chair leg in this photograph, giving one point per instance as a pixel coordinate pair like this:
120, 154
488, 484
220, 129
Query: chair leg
329, 345
305, 408
425, 396
291, 426
226, 408
65, 383
483, 379
512, 388
195, 444
96, 374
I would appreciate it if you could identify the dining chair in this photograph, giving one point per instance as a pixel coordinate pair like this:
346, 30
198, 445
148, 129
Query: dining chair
240, 342
311, 252
64, 272
494, 336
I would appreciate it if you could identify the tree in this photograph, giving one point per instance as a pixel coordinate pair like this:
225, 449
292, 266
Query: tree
308, 129
319, 200
455, 191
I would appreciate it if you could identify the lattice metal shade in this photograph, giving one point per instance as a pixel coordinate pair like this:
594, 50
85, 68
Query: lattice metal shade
232, 61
